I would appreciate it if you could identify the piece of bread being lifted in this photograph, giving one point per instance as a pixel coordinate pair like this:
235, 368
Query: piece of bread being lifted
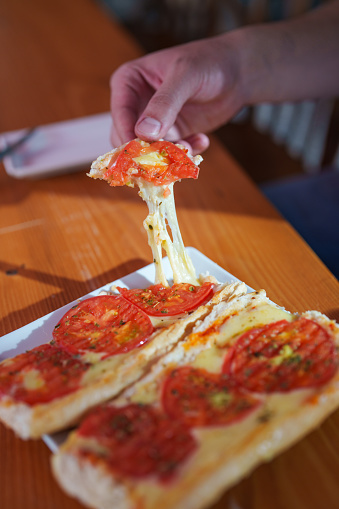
154, 168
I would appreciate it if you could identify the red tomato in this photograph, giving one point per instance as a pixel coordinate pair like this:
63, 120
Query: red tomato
158, 300
137, 440
282, 356
107, 324
122, 168
198, 398
41, 375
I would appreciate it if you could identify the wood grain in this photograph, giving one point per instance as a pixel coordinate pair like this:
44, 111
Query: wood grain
65, 236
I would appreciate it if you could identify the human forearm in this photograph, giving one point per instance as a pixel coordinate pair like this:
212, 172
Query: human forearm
290, 60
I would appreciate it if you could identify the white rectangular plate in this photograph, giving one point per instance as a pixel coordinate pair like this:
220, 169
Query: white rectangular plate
40, 331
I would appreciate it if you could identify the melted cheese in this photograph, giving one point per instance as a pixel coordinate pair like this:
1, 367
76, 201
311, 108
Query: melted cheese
253, 317
162, 215
145, 394
152, 159
99, 368
32, 380
210, 359
92, 357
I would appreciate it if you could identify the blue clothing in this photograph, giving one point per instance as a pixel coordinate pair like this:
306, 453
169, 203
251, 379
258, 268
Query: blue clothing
311, 204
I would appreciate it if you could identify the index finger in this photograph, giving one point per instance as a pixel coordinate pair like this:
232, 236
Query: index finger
129, 95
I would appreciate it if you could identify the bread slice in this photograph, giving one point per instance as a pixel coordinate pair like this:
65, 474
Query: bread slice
225, 454
101, 164
105, 378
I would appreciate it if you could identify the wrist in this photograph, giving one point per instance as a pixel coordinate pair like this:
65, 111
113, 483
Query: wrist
230, 48
253, 63
243, 58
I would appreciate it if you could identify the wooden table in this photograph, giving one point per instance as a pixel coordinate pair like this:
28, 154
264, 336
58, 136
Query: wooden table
65, 236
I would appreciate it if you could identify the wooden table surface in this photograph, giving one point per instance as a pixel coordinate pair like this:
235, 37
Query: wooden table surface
62, 237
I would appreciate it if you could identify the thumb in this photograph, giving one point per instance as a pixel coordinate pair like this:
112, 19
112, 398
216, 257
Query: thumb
163, 108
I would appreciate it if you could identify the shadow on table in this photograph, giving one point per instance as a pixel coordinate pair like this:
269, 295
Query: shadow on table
70, 289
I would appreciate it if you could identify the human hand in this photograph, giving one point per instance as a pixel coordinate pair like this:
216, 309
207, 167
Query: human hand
177, 93
181, 92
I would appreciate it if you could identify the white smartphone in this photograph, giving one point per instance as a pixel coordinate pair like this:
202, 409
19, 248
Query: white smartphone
56, 148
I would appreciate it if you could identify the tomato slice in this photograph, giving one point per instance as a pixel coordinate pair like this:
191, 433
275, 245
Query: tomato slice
105, 324
198, 398
137, 441
41, 375
172, 164
159, 300
282, 356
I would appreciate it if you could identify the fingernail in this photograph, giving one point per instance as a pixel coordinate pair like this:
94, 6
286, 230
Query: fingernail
149, 126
